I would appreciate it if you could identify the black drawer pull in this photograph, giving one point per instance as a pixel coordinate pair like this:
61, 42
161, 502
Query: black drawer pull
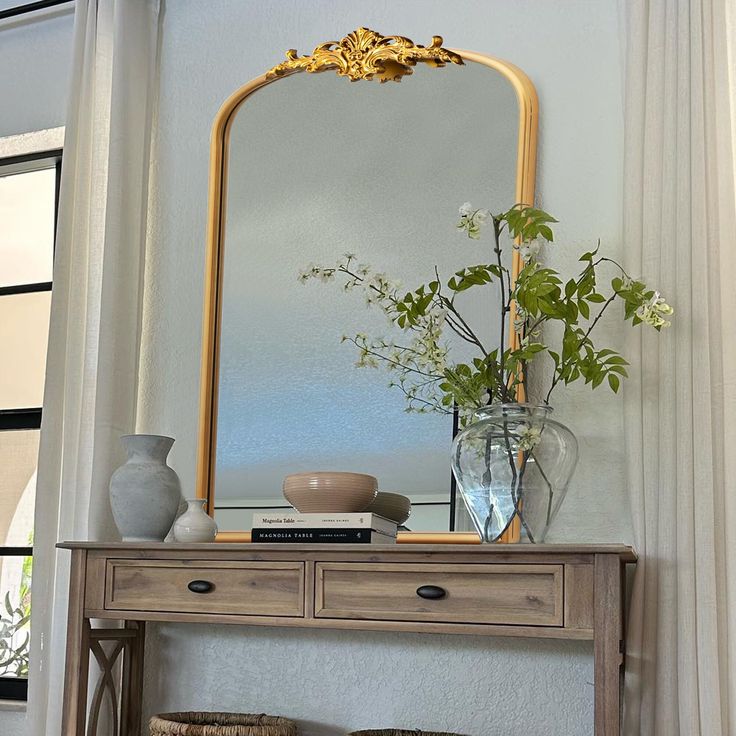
431, 592
200, 586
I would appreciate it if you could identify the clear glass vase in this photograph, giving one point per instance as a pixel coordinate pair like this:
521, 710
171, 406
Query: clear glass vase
514, 462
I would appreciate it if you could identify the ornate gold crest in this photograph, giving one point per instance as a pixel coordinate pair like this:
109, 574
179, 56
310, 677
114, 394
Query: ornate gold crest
365, 54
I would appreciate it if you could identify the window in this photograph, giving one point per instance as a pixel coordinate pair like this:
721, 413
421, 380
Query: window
29, 187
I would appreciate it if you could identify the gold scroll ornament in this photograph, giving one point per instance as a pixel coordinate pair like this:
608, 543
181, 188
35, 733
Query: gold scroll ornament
365, 54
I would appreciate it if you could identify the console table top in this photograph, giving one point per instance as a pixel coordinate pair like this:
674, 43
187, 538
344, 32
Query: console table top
624, 552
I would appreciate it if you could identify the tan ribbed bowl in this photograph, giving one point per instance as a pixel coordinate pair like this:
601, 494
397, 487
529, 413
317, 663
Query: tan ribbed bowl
220, 724
329, 492
391, 506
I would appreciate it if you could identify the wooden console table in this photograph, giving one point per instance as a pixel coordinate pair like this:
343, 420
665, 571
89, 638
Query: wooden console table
547, 591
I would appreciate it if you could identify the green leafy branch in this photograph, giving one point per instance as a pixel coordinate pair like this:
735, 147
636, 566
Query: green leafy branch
428, 378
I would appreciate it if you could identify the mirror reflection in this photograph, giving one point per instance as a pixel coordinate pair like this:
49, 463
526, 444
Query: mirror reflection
316, 168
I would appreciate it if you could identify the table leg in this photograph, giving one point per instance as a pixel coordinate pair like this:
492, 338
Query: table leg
74, 715
131, 693
608, 632
84, 641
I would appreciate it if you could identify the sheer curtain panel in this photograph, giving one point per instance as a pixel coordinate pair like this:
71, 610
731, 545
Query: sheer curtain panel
680, 404
92, 373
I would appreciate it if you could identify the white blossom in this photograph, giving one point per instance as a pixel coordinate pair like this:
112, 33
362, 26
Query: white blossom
471, 220
530, 250
306, 273
654, 312
529, 438
365, 360
440, 316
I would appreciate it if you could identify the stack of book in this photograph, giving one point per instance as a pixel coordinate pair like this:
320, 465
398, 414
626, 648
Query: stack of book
323, 528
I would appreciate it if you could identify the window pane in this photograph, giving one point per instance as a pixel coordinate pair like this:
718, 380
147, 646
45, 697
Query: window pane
18, 459
27, 203
24, 333
15, 613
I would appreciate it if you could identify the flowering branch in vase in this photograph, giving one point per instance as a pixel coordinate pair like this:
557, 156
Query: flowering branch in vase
420, 353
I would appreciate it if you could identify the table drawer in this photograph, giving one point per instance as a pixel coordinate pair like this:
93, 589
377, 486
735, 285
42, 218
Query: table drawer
468, 593
192, 586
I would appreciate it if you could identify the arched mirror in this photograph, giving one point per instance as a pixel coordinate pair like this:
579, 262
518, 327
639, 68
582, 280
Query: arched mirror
307, 167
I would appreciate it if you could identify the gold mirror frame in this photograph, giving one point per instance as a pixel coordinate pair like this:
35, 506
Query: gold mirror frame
361, 55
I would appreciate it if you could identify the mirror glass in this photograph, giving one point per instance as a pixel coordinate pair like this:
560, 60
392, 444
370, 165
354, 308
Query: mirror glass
317, 167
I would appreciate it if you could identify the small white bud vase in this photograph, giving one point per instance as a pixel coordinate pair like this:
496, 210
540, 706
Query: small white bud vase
194, 525
145, 492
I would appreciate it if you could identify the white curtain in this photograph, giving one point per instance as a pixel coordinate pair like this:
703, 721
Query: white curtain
680, 230
92, 374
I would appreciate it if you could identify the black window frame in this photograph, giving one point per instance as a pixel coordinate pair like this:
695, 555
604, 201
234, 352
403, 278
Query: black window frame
31, 8
16, 688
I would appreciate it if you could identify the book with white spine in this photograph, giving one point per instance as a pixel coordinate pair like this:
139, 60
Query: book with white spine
296, 520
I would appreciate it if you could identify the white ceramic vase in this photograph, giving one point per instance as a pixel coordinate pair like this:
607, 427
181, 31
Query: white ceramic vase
145, 492
194, 525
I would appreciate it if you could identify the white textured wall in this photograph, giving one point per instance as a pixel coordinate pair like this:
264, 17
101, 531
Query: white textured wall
334, 681
35, 58
571, 51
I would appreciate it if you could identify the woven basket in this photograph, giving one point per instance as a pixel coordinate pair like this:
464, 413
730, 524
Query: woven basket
220, 724
399, 732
